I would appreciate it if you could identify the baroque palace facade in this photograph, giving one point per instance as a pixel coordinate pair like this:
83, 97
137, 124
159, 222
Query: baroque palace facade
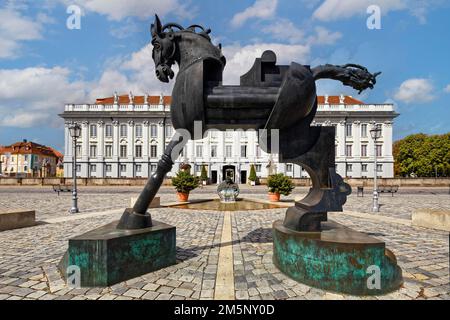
124, 137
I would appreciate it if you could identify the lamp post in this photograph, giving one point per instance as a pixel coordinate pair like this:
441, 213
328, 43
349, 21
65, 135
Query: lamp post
75, 132
375, 133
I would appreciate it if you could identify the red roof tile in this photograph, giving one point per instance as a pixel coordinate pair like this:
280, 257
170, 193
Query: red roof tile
124, 99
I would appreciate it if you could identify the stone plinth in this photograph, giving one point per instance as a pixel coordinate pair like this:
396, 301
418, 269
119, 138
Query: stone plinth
108, 255
435, 219
336, 259
14, 219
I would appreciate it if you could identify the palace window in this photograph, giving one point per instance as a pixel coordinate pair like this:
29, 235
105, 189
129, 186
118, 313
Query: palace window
93, 130
258, 167
153, 168
153, 151
108, 151
348, 150
123, 168
364, 130
93, 151
123, 151
138, 129
244, 151
93, 168
168, 131
289, 168
364, 150
123, 130
213, 151
364, 167
379, 168
348, 130
379, 149
228, 151
78, 150
154, 131
139, 168
199, 151
258, 151
349, 168
138, 150
108, 168
108, 131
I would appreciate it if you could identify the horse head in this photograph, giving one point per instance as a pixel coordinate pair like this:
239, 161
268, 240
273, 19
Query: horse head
166, 47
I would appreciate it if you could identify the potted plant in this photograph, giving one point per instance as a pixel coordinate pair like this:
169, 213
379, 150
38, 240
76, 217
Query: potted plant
204, 175
279, 184
252, 177
184, 182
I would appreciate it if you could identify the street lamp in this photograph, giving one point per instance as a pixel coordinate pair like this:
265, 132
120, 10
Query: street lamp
75, 132
375, 133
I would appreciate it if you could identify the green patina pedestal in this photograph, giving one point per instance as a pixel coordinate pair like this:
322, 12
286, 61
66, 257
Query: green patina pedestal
108, 255
337, 259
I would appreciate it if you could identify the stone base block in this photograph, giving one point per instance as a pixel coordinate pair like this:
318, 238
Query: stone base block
156, 202
16, 219
107, 255
336, 259
435, 219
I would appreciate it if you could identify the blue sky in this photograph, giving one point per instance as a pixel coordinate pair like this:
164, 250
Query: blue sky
44, 65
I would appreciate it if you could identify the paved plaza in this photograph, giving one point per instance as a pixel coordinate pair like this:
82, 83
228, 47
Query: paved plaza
29, 256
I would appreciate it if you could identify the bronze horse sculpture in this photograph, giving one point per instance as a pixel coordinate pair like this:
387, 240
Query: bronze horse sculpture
278, 100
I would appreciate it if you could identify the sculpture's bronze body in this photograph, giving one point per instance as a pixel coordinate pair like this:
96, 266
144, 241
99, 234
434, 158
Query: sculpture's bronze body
270, 96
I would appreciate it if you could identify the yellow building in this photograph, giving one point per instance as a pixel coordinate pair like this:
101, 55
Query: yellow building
29, 159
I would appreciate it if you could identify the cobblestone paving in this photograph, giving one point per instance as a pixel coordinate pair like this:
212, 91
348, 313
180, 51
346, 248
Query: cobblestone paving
28, 257
49, 205
422, 254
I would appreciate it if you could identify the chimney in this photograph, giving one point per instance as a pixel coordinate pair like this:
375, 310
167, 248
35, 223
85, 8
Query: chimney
341, 99
326, 99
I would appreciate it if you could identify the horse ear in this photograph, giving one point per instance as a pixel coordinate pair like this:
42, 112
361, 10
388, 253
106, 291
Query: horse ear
156, 27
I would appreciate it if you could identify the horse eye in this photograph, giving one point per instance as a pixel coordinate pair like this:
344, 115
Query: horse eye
157, 46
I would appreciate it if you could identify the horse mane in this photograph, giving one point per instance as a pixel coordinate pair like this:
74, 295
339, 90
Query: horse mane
204, 32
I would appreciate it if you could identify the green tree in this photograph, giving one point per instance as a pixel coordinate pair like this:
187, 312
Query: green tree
185, 181
422, 155
204, 174
279, 183
252, 176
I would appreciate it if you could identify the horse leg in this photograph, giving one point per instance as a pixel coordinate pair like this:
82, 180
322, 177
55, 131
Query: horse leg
138, 217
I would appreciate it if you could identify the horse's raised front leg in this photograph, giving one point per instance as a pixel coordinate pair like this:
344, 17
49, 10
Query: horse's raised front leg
138, 217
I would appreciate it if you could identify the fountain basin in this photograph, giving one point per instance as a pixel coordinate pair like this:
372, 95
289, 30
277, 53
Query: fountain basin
218, 205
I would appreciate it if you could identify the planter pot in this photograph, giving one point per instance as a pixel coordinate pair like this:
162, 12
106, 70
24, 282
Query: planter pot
204, 183
183, 197
274, 197
253, 183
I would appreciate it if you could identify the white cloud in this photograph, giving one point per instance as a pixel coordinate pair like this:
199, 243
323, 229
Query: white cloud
338, 9
262, 9
240, 59
15, 28
415, 90
120, 9
34, 96
447, 88
324, 37
284, 29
